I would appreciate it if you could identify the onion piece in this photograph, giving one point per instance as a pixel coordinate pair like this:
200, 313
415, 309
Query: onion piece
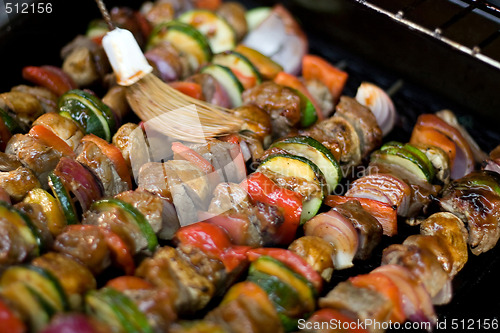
416, 300
397, 191
280, 37
452, 120
464, 160
379, 103
79, 180
337, 230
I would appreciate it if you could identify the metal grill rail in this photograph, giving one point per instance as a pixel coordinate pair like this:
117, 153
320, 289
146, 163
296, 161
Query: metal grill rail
470, 26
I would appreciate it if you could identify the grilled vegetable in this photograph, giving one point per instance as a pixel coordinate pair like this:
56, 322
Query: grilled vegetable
228, 80
219, 33
384, 213
116, 310
280, 38
213, 241
39, 280
36, 312
242, 68
317, 153
261, 188
463, 162
92, 115
50, 77
379, 103
337, 230
63, 199
297, 168
9, 321
317, 68
265, 66
78, 180
292, 295
292, 261
185, 38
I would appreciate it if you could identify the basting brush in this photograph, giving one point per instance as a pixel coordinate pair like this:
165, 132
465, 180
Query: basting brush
151, 98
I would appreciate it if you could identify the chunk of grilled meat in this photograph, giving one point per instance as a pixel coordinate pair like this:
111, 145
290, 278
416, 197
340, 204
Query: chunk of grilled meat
281, 103
341, 138
123, 141
363, 120
211, 268
452, 232
167, 269
317, 252
47, 98
368, 228
363, 303
8, 162
24, 107
153, 178
157, 305
190, 188
33, 154
17, 183
91, 156
476, 201
422, 262
148, 204
115, 220
14, 248
86, 245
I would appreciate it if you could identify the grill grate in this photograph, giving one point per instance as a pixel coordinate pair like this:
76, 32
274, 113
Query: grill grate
470, 26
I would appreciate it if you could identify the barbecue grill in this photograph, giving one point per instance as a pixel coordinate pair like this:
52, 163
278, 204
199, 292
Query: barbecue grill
429, 54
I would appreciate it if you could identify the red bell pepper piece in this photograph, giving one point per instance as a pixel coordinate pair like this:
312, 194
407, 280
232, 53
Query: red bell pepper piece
123, 283
121, 254
292, 260
188, 88
50, 77
261, 188
214, 242
49, 138
317, 68
383, 212
8, 321
235, 225
430, 136
207, 4
190, 155
288, 80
